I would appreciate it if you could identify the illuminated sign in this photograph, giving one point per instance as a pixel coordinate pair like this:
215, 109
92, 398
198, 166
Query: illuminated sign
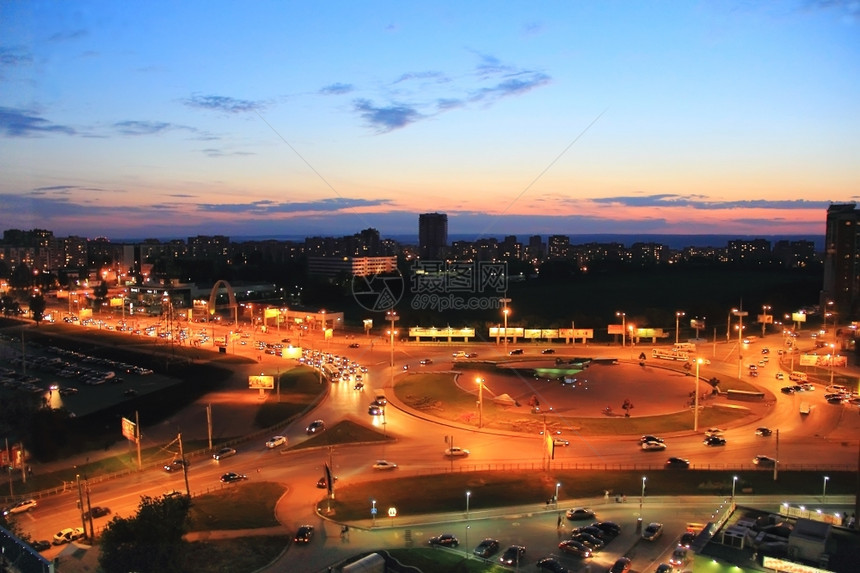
615, 328
496, 332
790, 566
418, 331
798, 317
128, 430
261, 382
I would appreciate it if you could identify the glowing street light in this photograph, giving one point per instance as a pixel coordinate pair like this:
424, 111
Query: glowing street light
824, 491
678, 316
392, 317
468, 496
696, 398
734, 482
480, 382
557, 485
765, 308
642, 496
505, 312
623, 316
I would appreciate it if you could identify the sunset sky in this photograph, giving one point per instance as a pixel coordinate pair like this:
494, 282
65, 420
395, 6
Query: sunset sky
172, 119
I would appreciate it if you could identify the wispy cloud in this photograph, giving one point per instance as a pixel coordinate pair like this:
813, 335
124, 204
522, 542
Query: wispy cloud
700, 202
11, 57
213, 152
520, 84
68, 35
337, 89
272, 207
132, 127
23, 123
224, 104
386, 118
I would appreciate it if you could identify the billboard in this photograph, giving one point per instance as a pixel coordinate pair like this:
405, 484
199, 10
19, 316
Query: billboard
128, 430
615, 328
271, 312
261, 382
696, 323
798, 317
576, 332
511, 331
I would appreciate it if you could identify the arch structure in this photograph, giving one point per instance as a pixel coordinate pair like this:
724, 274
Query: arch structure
231, 297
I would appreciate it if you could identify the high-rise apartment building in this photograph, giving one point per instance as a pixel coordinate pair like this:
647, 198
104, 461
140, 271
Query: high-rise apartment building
432, 235
842, 260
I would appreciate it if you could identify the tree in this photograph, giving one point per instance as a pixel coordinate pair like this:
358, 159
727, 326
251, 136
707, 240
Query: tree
627, 406
37, 307
150, 541
100, 293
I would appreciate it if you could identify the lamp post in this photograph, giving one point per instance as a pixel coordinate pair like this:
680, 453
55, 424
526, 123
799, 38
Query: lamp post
642, 496
678, 316
392, 317
832, 356
623, 328
468, 496
734, 482
824, 490
557, 485
480, 382
764, 308
505, 312
740, 314
696, 398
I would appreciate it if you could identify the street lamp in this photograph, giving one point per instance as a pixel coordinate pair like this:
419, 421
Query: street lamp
696, 398
764, 308
832, 356
392, 317
678, 316
734, 481
642, 496
740, 314
557, 485
468, 495
824, 491
505, 312
623, 316
480, 382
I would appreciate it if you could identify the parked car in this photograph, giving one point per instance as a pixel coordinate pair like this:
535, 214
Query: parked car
97, 511
315, 426
678, 463
621, 565
589, 541
21, 507
384, 465
231, 477
445, 540
40, 545
304, 534
763, 431
652, 531
487, 548
513, 555
276, 441
456, 452
574, 547
68, 535
679, 557
224, 453
608, 527
552, 565
578, 513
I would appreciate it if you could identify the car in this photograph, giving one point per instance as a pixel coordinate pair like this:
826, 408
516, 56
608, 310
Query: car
552, 565
374, 410
304, 534
664, 568
322, 483
754, 373
653, 446
276, 441
652, 531
807, 387
486, 548
358, 386
381, 400
515, 351
578, 513
787, 390
763, 431
445, 540
40, 545
679, 556
384, 465
456, 452
175, 465
589, 541
354, 345
780, 376
425, 361
315, 426
650, 438
21, 507
560, 442
763, 461
231, 477
224, 453
548, 351
97, 511
592, 531
574, 547
753, 367
765, 350
621, 565
513, 555
678, 463
608, 527
714, 441
68, 535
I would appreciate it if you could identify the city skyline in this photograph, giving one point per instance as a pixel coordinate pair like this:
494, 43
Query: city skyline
625, 118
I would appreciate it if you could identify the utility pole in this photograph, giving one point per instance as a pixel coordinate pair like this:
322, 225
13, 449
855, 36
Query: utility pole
184, 464
81, 501
209, 423
137, 440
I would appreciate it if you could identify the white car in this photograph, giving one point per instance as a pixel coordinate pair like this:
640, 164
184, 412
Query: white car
384, 465
560, 442
780, 376
21, 507
652, 446
276, 441
456, 452
68, 535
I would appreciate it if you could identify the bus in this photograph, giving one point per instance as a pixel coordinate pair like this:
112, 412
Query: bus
331, 372
667, 354
684, 347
